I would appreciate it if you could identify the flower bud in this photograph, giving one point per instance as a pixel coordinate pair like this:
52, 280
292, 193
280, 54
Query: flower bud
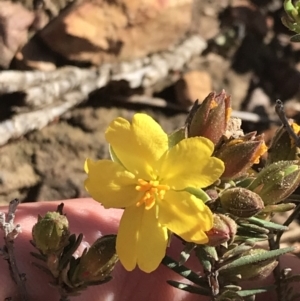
253, 271
277, 181
210, 118
292, 17
283, 147
51, 233
213, 194
97, 263
223, 230
240, 154
241, 202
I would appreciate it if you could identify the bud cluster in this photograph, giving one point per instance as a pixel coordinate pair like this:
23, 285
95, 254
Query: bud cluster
256, 184
52, 238
292, 18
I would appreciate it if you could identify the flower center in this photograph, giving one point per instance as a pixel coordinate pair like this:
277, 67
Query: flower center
153, 190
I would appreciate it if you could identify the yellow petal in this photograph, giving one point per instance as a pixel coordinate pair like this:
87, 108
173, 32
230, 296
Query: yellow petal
189, 164
128, 235
152, 243
141, 240
186, 216
110, 184
138, 145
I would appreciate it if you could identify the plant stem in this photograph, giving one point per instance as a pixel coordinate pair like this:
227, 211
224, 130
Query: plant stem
287, 223
274, 245
16, 275
281, 114
11, 231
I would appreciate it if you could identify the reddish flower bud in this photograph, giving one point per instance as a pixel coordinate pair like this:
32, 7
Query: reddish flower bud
210, 118
223, 230
240, 154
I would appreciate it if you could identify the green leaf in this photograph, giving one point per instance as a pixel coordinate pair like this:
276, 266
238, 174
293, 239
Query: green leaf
211, 252
69, 250
198, 193
232, 287
251, 234
253, 228
245, 182
247, 293
279, 208
236, 251
184, 271
186, 252
229, 295
190, 288
248, 239
204, 258
249, 259
266, 224
177, 136
295, 38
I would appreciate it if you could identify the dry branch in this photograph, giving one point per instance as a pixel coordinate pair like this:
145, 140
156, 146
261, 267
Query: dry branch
23, 123
53, 93
46, 87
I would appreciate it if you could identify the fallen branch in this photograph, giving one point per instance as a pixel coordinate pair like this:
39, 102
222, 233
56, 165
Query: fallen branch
43, 88
50, 94
21, 124
11, 231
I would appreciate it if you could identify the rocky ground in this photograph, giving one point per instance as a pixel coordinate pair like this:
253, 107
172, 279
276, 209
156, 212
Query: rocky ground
248, 54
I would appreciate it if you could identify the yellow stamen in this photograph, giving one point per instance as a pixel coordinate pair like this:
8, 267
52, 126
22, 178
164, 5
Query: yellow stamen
258, 153
213, 104
153, 190
228, 114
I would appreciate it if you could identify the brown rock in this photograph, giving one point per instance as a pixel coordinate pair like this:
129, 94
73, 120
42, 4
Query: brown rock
34, 55
192, 86
106, 31
14, 23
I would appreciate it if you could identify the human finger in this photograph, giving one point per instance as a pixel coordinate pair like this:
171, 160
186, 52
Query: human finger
90, 218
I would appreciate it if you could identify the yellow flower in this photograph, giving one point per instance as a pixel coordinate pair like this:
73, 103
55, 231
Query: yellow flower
148, 180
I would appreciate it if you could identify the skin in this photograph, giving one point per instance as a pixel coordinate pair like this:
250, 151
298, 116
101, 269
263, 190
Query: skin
89, 217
